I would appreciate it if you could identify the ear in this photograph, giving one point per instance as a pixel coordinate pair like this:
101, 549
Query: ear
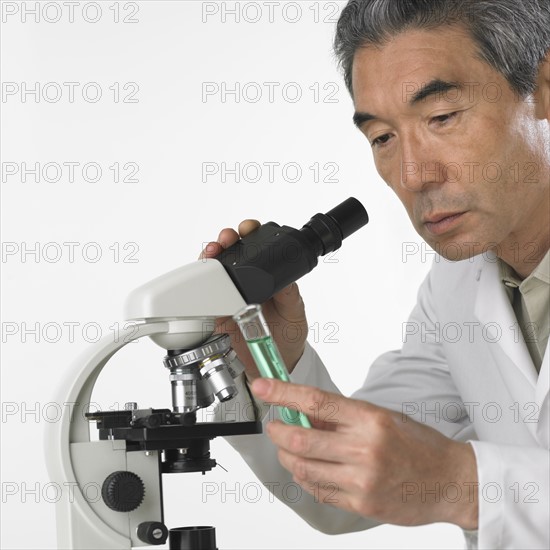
542, 93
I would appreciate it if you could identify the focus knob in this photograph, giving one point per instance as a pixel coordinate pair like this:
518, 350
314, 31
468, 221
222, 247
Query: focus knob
123, 491
152, 532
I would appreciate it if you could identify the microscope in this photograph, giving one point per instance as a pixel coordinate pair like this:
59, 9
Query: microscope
136, 446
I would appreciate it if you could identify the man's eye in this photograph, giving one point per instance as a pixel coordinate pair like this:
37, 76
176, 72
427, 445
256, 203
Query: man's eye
444, 118
380, 141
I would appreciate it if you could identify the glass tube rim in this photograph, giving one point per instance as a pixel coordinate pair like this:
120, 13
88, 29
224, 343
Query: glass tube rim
248, 313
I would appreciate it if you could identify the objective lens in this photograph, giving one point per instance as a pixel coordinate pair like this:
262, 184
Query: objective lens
199, 374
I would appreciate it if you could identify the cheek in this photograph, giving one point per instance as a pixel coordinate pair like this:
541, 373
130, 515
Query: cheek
407, 199
390, 171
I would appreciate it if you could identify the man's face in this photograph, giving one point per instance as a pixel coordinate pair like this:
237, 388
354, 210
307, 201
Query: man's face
470, 164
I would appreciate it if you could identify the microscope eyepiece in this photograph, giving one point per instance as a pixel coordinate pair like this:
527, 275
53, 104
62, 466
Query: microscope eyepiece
272, 257
349, 215
326, 231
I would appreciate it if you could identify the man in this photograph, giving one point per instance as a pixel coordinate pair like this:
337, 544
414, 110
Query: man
454, 98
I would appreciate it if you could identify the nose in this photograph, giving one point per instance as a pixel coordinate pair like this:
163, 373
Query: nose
419, 169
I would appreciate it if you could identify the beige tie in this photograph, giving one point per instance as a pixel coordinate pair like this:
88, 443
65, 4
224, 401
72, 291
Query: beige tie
530, 329
530, 299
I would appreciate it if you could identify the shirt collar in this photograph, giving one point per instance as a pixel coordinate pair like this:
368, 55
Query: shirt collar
542, 271
511, 279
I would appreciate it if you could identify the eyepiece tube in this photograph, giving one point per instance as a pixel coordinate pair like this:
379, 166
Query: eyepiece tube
350, 216
326, 231
273, 256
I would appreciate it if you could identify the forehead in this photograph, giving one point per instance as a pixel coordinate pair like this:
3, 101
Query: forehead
413, 58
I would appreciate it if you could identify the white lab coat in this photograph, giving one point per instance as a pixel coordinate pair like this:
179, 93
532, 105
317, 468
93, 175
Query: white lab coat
463, 358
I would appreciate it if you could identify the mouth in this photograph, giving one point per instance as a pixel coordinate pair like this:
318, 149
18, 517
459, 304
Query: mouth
437, 224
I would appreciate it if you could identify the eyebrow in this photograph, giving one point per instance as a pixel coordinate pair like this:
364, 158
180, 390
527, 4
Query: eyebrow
434, 87
360, 118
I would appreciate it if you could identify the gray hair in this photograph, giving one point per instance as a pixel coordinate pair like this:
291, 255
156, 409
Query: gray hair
513, 36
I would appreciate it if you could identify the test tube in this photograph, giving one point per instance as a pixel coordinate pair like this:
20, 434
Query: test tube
266, 355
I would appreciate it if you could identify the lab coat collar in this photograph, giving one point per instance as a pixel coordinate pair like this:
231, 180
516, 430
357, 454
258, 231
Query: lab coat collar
542, 398
492, 304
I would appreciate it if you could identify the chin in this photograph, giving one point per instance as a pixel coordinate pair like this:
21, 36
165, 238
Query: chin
458, 248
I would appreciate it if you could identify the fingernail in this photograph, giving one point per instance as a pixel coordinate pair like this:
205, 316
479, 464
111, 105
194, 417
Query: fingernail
261, 387
210, 248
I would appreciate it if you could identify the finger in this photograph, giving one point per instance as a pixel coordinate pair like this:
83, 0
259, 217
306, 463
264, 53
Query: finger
210, 250
320, 405
311, 444
324, 480
247, 226
227, 237
328, 492
289, 303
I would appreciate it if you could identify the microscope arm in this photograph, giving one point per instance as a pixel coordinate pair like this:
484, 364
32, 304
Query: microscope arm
78, 525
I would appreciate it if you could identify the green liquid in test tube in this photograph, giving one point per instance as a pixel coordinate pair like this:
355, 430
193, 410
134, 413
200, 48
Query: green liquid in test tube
266, 355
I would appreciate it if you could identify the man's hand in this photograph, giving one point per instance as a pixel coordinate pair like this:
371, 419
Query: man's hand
372, 461
284, 313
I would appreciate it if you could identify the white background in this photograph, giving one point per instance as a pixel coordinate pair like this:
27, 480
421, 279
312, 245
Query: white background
159, 222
